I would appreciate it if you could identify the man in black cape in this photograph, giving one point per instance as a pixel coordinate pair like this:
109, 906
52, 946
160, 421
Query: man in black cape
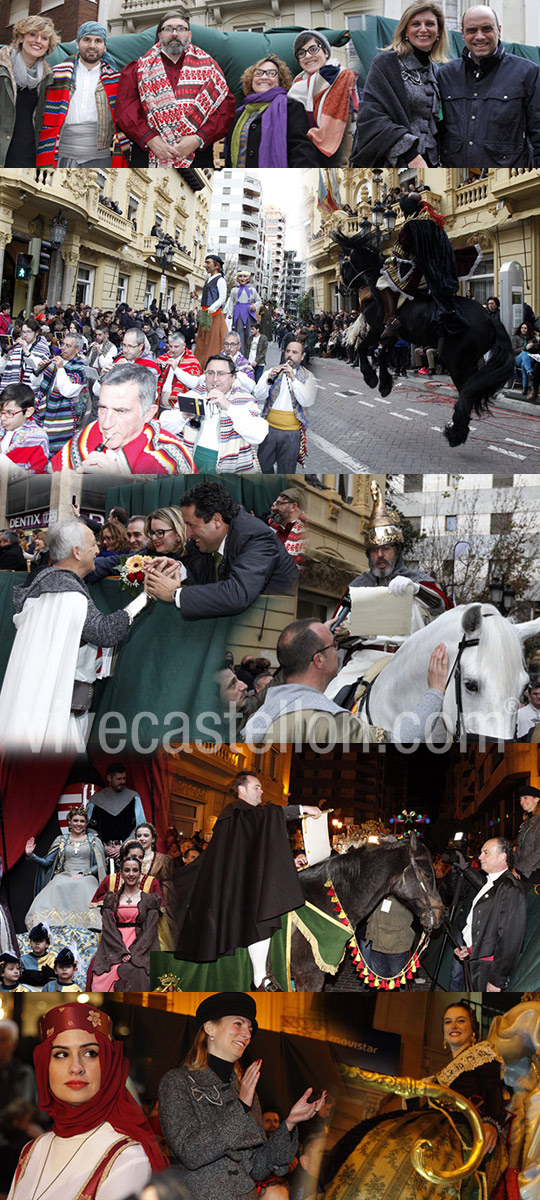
245, 881
423, 252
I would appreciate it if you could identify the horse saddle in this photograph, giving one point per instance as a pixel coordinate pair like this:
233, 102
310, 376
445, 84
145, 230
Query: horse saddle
351, 695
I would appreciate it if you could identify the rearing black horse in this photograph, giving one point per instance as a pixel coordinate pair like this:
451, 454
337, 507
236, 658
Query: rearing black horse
460, 352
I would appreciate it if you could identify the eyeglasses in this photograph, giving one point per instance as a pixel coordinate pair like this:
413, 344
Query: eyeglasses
217, 374
160, 533
174, 29
309, 51
265, 74
231, 344
11, 412
322, 650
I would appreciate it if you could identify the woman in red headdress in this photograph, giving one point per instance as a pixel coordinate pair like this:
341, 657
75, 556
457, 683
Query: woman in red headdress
101, 1145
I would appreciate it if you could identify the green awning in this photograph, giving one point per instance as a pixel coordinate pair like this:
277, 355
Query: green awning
236, 51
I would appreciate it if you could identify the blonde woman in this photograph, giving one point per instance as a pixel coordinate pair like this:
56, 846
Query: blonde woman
399, 115
270, 129
210, 1114
166, 531
23, 70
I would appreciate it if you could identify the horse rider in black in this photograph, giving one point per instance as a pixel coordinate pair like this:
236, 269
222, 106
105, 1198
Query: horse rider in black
423, 256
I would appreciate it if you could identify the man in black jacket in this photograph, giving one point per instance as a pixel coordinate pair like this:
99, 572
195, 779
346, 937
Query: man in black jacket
243, 883
494, 928
490, 100
11, 555
234, 558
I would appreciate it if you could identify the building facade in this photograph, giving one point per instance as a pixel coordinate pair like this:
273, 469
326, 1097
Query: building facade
276, 222
294, 281
106, 256
236, 229
520, 21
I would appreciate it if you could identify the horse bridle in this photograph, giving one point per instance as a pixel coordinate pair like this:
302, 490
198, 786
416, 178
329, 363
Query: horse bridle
427, 906
359, 275
455, 673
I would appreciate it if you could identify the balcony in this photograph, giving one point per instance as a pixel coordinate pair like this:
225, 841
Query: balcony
519, 184
469, 195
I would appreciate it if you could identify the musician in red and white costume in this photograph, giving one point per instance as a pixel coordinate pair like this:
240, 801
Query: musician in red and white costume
177, 362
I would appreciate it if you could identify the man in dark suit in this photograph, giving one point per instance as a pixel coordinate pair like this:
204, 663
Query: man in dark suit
494, 928
234, 558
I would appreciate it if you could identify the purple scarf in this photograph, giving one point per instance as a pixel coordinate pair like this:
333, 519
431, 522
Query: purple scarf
273, 147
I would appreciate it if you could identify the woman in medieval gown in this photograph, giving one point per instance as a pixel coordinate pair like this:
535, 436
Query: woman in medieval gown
66, 883
373, 1159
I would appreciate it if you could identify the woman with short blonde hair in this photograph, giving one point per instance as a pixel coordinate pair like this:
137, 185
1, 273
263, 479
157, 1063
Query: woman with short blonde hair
399, 117
23, 74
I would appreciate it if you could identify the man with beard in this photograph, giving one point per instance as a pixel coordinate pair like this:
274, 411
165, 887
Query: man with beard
116, 811
174, 102
386, 565
75, 115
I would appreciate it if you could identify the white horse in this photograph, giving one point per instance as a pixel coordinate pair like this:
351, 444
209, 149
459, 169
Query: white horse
486, 675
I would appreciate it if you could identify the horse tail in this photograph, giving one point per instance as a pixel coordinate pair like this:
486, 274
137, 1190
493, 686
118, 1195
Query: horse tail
481, 386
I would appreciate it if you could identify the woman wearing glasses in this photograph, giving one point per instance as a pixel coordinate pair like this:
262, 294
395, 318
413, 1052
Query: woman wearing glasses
270, 129
327, 91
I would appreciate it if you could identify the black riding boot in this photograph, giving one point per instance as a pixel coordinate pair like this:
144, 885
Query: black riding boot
391, 320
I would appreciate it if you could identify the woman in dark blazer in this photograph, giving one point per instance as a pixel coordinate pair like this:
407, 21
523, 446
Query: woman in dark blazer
398, 116
270, 129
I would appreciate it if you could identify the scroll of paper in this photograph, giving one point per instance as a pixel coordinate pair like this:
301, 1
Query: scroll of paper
316, 840
374, 611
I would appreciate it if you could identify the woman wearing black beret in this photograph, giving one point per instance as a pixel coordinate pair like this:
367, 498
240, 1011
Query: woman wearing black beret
210, 1114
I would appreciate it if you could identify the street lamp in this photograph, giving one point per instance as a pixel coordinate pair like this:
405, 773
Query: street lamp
501, 595
57, 231
165, 250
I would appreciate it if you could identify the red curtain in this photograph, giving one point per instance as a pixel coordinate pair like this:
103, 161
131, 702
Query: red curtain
29, 793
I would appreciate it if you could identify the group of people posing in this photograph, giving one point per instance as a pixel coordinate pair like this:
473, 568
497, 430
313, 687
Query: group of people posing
173, 104
134, 398
102, 878
170, 106
418, 109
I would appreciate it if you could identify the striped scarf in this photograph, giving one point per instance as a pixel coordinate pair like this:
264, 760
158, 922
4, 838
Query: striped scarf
176, 114
301, 374
235, 454
59, 93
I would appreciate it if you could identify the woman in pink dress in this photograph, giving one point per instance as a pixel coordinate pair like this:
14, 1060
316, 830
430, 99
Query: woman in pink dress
130, 932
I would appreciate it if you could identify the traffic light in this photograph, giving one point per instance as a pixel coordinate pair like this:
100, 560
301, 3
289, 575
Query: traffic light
23, 267
45, 257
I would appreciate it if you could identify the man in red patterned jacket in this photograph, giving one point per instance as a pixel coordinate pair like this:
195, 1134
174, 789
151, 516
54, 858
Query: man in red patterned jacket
126, 439
178, 358
289, 522
174, 102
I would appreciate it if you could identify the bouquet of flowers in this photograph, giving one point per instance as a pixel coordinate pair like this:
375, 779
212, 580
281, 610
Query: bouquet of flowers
132, 572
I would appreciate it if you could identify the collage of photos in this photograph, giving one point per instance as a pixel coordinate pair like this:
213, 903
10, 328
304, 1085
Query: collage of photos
269, 669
